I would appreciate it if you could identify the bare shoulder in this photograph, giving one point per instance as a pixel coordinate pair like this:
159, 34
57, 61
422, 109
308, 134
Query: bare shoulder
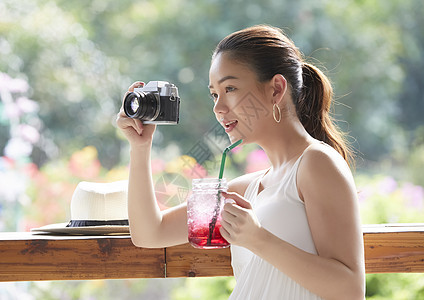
239, 184
322, 166
321, 157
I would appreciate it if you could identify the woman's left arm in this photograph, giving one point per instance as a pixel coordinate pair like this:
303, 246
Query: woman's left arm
326, 185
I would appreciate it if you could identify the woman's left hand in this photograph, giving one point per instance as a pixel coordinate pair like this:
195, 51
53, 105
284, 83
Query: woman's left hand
239, 223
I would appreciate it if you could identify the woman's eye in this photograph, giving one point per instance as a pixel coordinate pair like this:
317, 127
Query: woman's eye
214, 96
229, 89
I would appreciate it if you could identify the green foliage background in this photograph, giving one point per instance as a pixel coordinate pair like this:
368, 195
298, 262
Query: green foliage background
78, 58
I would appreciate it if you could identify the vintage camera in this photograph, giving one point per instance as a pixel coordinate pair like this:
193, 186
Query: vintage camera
155, 103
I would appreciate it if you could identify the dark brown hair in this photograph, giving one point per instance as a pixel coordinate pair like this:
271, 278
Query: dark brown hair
268, 51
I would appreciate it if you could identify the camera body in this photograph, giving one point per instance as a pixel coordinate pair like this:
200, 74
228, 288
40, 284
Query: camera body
157, 102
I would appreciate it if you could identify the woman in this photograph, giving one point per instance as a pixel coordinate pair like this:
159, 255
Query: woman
295, 227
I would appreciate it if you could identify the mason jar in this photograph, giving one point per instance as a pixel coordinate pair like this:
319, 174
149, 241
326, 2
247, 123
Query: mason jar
204, 208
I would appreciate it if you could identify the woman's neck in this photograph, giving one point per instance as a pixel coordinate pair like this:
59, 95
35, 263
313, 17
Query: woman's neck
285, 142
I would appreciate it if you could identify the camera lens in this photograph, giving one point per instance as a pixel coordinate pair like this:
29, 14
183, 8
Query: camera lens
143, 106
134, 105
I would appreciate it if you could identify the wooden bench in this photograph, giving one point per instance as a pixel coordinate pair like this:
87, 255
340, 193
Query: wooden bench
391, 248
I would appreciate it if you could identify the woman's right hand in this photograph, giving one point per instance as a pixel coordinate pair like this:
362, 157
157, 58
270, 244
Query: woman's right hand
137, 133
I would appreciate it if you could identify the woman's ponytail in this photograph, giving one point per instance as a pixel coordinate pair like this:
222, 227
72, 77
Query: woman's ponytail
313, 109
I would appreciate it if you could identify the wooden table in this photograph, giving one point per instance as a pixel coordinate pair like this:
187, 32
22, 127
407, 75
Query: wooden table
29, 257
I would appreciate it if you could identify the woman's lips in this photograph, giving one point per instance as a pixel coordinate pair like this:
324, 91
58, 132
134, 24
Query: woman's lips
229, 126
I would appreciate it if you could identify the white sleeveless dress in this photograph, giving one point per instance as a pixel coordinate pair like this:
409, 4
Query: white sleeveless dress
279, 210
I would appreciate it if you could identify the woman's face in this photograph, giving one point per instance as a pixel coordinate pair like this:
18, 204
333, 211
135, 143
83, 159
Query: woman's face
240, 102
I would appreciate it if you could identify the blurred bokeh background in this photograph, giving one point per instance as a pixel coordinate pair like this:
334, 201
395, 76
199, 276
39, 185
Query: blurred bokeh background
64, 66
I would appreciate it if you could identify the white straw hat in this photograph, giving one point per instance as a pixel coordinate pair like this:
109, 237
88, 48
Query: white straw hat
96, 208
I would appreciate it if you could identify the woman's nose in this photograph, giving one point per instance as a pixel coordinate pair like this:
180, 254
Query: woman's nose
220, 107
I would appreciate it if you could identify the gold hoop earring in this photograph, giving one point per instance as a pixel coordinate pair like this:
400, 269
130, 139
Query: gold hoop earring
279, 113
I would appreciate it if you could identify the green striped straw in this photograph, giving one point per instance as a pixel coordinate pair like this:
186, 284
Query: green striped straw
224, 156
218, 201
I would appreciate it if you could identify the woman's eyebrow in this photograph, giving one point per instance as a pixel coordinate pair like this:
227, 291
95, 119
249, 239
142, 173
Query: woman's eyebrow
224, 79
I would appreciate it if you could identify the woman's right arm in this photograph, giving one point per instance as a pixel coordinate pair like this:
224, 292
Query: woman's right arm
149, 227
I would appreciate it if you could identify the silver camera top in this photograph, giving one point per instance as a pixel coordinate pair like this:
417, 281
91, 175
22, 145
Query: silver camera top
163, 88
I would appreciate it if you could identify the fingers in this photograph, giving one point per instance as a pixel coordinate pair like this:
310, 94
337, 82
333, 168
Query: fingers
234, 220
136, 84
224, 232
238, 199
227, 216
227, 221
123, 122
236, 207
238, 220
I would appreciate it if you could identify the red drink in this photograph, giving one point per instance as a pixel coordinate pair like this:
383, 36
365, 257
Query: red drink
204, 213
199, 237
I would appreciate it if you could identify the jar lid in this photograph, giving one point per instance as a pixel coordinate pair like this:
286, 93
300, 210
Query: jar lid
210, 184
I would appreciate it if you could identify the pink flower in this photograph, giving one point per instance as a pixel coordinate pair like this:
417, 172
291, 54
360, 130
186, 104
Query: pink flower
388, 185
414, 195
31, 170
364, 194
12, 85
256, 161
236, 149
158, 165
26, 105
29, 133
12, 111
85, 164
196, 171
